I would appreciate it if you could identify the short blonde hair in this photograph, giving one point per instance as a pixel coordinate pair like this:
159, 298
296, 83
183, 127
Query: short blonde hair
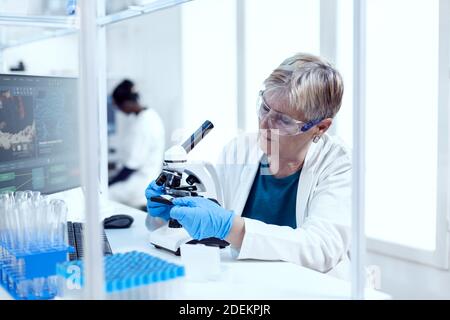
312, 85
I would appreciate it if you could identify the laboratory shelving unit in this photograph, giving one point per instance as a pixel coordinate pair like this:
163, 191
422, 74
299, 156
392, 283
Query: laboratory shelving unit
63, 25
89, 24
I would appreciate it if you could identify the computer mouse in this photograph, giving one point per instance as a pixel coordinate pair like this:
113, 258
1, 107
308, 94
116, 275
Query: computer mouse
118, 221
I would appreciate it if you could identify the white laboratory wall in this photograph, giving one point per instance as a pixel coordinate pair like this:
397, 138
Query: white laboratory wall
275, 30
209, 74
344, 62
147, 50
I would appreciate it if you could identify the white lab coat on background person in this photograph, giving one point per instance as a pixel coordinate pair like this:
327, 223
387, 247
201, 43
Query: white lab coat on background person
141, 148
321, 240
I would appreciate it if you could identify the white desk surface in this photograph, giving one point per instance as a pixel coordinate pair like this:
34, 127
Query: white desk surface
252, 280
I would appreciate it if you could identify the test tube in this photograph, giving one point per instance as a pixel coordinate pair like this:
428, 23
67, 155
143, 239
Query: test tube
28, 194
7, 202
16, 229
23, 288
45, 227
35, 198
38, 286
35, 195
51, 223
24, 225
16, 220
3, 228
59, 211
3, 208
19, 196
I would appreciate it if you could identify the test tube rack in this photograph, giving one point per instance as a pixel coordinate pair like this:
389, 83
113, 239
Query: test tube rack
128, 276
30, 274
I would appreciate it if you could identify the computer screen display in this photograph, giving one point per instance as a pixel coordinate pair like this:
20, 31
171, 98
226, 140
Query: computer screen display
38, 134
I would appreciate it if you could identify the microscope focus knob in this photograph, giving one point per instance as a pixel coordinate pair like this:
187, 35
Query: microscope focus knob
174, 180
191, 179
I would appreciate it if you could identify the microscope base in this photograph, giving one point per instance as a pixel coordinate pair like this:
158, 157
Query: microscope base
171, 239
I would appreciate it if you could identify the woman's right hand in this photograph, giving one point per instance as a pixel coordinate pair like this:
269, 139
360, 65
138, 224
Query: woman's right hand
156, 209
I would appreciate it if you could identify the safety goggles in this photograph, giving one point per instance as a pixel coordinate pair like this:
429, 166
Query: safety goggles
285, 125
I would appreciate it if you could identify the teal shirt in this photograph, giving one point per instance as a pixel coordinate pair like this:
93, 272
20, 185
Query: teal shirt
273, 200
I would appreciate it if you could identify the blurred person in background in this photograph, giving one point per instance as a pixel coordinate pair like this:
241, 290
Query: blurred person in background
140, 148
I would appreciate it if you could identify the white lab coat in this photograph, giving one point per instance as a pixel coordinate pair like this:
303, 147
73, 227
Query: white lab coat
141, 147
321, 240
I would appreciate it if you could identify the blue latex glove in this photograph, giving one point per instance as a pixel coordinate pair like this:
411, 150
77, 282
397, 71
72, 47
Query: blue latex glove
156, 209
201, 217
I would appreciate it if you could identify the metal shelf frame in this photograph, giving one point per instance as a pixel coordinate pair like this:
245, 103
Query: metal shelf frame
90, 25
58, 22
53, 34
66, 25
136, 11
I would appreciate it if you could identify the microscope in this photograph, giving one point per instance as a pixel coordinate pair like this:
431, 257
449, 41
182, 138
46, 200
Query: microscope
181, 178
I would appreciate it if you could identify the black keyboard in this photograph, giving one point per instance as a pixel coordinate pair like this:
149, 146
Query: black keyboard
75, 236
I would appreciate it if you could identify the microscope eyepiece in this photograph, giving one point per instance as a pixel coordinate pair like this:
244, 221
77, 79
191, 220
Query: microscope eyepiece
197, 136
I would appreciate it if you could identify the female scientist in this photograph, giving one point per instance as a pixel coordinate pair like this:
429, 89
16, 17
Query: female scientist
287, 195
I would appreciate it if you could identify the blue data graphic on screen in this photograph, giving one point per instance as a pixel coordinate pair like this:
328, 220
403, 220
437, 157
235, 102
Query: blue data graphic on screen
38, 133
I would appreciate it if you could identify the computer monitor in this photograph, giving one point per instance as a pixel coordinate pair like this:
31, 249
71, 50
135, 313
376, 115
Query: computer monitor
38, 134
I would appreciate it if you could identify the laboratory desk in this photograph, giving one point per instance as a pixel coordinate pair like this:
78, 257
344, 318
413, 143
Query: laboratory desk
240, 279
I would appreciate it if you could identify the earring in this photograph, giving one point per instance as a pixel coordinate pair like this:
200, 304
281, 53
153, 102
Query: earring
316, 139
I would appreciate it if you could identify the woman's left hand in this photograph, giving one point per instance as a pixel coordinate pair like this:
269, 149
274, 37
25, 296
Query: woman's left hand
202, 218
